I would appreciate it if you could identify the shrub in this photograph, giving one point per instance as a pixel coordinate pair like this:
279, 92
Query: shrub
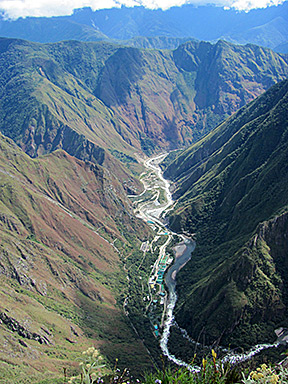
91, 365
265, 374
212, 371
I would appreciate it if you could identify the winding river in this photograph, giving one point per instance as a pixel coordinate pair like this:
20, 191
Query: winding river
153, 212
183, 252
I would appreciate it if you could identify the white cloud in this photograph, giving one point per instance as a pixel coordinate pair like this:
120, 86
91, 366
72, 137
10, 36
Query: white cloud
251, 4
23, 8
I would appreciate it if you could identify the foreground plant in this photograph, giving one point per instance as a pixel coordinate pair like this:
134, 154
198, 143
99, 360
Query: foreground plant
91, 366
265, 374
212, 371
94, 371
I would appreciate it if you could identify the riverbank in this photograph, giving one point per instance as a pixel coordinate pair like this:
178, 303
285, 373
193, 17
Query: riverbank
162, 298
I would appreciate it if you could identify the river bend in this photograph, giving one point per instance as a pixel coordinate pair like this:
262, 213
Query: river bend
152, 210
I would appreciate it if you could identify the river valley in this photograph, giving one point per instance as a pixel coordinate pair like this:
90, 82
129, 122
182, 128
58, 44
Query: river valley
151, 206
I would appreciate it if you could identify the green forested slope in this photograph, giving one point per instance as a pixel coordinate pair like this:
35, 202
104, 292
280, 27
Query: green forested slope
84, 97
232, 188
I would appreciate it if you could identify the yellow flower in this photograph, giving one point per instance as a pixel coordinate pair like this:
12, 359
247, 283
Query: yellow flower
95, 354
254, 375
88, 366
90, 350
81, 363
214, 354
274, 379
204, 363
264, 367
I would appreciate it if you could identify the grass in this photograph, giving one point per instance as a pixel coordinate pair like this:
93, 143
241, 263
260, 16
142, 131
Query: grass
61, 279
90, 367
211, 370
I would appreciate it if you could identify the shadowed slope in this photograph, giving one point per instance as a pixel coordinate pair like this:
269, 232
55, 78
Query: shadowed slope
232, 188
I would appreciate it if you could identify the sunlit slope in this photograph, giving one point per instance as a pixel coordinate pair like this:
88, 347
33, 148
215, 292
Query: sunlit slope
62, 279
84, 97
44, 106
232, 188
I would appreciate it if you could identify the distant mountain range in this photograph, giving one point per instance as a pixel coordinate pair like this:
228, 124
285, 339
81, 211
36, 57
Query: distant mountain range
98, 100
266, 27
232, 191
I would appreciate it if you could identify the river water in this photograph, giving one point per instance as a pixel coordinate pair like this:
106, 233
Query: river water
153, 211
183, 252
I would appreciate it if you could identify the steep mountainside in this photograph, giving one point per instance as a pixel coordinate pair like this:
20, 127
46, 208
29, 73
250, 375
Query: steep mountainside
45, 107
84, 97
266, 27
157, 42
62, 278
232, 188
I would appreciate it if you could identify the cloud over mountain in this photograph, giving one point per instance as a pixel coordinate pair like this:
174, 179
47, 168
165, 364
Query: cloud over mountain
23, 8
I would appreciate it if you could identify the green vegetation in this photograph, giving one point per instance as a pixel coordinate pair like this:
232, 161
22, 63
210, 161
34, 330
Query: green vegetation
62, 280
211, 370
92, 98
69, 242
232, 189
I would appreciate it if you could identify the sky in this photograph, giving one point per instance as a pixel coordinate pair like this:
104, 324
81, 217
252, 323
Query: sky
23, 8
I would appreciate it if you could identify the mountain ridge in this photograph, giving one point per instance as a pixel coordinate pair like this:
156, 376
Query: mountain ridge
230, 187
203, 23
88, 98
82, 110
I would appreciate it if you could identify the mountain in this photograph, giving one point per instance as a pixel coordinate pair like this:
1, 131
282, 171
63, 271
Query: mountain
68, 234
49, 30
98, 100
62, 278
232, 191
267, 27
271, 34
158, 42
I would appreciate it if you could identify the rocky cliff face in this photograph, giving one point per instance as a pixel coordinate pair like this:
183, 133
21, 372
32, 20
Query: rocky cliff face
275, 233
